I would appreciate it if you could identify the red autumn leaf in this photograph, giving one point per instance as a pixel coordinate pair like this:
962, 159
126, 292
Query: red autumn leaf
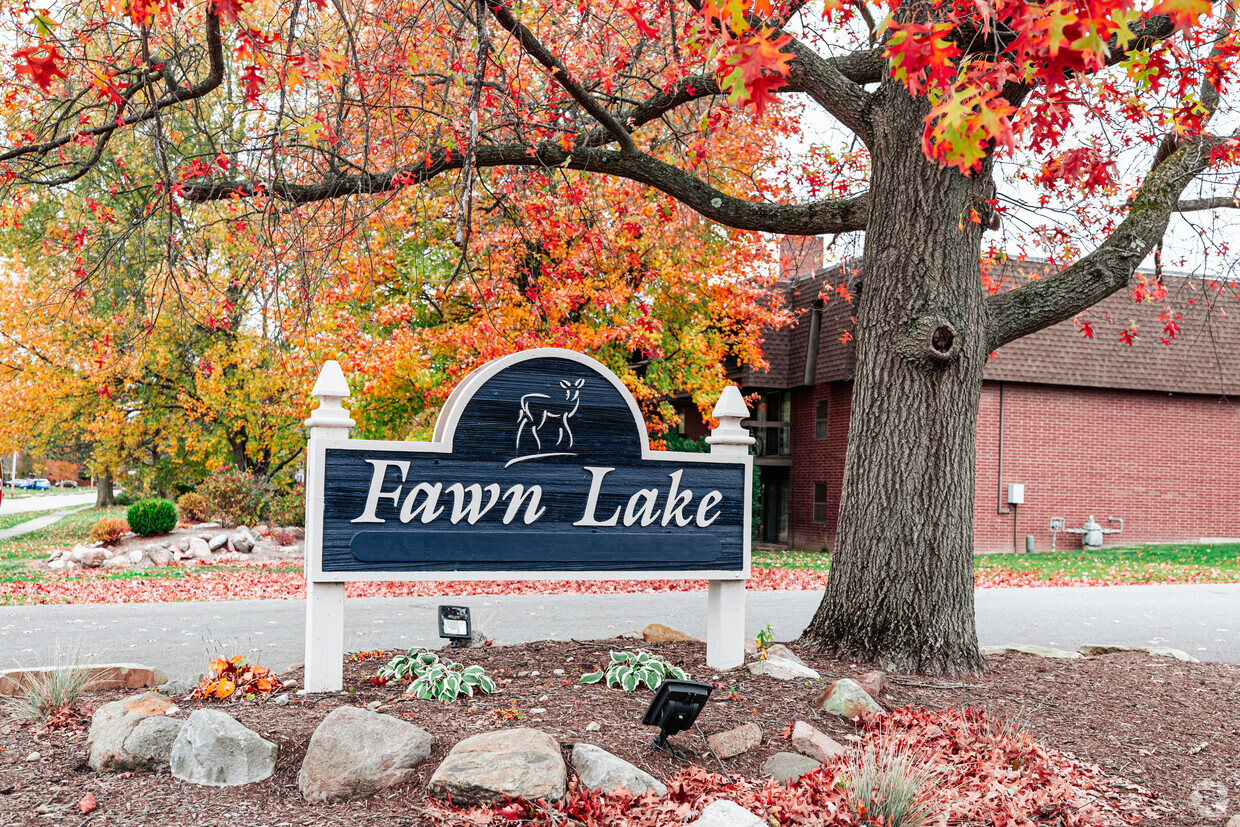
228, 10
88, 803
1183, 13
758, 67
920, 56
42, 70
253, 81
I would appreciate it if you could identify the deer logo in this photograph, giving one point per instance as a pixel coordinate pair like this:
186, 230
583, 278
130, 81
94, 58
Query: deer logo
539, 408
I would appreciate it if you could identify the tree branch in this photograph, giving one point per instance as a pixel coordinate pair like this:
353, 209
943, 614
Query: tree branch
823, 81
1217, 203
104, 131
1107, 269
535, 49
813, 218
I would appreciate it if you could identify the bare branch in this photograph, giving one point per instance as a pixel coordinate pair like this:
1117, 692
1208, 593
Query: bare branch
1107, 269
1217, 203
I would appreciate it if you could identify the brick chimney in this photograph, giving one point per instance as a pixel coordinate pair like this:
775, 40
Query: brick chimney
799, 255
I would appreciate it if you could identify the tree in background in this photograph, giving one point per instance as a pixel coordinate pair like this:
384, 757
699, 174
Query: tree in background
1111, 103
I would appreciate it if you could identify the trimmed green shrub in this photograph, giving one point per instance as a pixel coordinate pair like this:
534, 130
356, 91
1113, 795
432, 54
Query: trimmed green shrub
289, 509
108, 530
124, 498
193, 507
237, 499
153, 516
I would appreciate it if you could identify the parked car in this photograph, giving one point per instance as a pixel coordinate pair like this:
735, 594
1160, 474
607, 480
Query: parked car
22, 483
67, 484
41, 484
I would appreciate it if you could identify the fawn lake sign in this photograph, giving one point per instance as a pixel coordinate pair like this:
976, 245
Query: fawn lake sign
539, 468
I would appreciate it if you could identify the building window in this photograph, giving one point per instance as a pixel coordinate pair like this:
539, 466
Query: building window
820, 418
820, 502
772, 425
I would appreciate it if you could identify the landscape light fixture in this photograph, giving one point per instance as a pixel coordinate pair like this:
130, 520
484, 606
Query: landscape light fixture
454, 624
674, 709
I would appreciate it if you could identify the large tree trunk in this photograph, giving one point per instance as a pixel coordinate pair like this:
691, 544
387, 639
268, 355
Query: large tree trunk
104, 495
900, 591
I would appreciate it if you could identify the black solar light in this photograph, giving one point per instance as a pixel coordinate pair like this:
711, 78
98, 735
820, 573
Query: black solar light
454, 624
674, 709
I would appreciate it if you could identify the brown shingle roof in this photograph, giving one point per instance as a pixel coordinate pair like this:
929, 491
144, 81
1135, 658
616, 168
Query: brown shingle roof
1203, 358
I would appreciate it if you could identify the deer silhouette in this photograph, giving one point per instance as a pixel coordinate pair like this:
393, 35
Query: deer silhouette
537, 408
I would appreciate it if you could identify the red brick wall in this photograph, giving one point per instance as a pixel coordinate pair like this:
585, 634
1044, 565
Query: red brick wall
817, 460
1167, 464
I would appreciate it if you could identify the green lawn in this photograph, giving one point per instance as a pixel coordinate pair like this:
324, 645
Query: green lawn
1107, 563
72, 529
1174, 563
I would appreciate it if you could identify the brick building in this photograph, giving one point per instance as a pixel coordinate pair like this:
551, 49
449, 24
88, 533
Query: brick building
1145, 433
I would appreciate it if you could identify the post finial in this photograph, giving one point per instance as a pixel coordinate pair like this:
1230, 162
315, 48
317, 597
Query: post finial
730, 410
331, 389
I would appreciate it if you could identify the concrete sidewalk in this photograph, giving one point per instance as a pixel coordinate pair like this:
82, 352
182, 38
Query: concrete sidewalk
1203, 620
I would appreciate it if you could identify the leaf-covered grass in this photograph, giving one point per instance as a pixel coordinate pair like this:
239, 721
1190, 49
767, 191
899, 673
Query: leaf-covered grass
1170, 563
73, 529
11, 520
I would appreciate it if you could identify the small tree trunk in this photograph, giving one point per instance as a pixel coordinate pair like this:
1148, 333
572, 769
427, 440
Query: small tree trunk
104, 495
900, 591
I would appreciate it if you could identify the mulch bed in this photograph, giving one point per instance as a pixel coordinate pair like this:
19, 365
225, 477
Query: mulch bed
1170, 727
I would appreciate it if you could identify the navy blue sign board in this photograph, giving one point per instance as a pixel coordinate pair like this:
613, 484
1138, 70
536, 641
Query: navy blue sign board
540, 468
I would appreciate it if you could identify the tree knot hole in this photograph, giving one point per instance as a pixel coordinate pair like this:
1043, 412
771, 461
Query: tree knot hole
942, 339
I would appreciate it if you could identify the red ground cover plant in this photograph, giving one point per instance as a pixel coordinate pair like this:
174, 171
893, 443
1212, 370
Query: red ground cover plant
990, 774
235, 675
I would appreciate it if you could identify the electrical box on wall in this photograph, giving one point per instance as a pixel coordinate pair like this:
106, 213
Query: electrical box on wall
1016, 493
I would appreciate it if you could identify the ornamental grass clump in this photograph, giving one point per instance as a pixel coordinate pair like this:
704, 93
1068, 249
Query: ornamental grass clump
152, 516
433, 677
883, 784
629, 670
51, 693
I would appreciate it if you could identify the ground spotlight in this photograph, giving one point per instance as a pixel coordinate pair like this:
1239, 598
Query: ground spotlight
674, 709
454, 624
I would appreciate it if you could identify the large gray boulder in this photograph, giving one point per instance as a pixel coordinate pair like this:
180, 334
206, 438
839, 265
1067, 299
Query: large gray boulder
788, 767
727, 814
783, 669
1030, 649
507, 763
216, 750
148, 703
598, 769
134, 742
847, 700
355, 753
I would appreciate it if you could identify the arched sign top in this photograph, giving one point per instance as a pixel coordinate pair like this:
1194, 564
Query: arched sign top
544, 405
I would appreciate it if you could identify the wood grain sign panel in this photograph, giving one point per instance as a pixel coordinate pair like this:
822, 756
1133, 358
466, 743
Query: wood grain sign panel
540, 468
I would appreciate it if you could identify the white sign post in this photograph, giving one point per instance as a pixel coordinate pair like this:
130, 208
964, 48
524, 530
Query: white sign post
540, 469
725, 599
324, 601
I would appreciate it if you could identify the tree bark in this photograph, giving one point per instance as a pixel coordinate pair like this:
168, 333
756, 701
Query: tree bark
900, 592
104, 495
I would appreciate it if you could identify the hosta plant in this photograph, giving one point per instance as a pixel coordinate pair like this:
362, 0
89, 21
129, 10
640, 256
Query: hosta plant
629, 670
434, 677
